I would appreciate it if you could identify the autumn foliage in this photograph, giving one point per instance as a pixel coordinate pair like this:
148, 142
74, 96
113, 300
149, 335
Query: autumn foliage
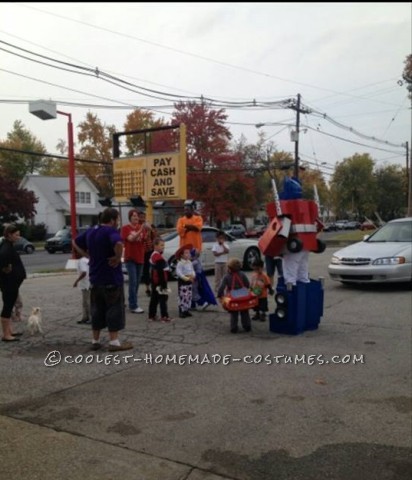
14, 202
215, 174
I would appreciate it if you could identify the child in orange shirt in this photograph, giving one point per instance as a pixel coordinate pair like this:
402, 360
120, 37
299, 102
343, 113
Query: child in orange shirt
260, 284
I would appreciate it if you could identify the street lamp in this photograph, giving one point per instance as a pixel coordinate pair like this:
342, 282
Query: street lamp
46, 110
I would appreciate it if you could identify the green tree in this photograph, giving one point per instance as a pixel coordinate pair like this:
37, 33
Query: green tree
391, 187
56, 167
353, 187
407, 73
16, 165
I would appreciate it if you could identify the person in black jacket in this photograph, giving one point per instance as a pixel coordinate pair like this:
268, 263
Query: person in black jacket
12, 275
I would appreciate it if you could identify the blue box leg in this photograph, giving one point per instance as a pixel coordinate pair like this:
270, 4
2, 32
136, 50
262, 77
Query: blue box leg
314, 304
290, 316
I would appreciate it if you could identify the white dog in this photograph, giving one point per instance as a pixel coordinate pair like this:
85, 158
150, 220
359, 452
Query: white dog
34, 321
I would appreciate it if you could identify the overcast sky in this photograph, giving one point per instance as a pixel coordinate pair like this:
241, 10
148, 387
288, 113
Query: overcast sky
345, 60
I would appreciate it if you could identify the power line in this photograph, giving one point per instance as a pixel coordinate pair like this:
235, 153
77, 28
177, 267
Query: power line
349, 141
352, 130
97, 73
50, 155
183, 52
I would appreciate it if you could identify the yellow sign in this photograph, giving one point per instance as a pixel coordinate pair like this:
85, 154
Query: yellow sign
154, 176
128, 176
162, 176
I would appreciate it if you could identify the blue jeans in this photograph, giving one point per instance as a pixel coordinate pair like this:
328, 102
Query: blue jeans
135, 274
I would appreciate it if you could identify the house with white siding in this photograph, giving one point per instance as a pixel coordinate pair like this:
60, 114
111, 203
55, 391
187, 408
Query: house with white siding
53, 207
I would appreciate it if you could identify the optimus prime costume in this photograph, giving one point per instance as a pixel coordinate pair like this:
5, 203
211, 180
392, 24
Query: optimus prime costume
292, 232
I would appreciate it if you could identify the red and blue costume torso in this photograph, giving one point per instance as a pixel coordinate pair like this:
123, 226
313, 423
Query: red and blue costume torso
293, 226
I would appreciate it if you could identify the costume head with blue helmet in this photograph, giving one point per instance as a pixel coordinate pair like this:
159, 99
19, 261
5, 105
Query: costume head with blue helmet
292, 189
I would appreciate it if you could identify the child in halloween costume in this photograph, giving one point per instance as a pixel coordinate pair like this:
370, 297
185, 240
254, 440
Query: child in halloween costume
203, 295
239, 280
159, 290
260, 285
185, 277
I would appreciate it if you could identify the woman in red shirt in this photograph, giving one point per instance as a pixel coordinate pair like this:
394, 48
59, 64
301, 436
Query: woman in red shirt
134, 236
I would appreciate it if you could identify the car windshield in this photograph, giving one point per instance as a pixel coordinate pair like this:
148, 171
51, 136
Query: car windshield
393, 232
62, 233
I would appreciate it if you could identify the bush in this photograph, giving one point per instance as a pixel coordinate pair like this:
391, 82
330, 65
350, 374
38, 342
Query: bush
37, 232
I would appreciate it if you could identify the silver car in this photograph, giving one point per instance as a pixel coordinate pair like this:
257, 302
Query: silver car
246, 250
384, 256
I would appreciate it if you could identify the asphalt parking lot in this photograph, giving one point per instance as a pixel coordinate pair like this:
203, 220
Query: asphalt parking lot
251, 406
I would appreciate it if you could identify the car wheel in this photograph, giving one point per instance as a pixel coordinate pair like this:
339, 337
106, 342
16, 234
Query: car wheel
251, 255
29, 249
321, 246
294, 245
51, 251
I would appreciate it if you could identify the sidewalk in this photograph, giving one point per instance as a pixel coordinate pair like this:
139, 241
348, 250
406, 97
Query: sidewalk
135, 416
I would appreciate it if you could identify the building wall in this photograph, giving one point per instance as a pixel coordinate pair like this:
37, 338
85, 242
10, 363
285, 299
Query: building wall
46, 213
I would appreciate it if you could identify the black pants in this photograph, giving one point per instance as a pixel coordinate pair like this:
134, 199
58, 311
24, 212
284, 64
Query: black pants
9, 295
155, 300
244, 318
146, 268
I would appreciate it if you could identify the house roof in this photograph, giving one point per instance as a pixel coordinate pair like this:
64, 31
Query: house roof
52, 187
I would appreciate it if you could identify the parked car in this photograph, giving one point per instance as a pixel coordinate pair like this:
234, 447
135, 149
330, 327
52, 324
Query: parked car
256, 231
22, 245
341, 224
352, 225
244, 249
367, 225
236, 230
384, 256
330, 227
62, 241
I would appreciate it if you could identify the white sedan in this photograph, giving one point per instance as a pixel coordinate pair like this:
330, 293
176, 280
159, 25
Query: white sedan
246, 250
384, 256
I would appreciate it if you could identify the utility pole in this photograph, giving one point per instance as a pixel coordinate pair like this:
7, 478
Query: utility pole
408, 157
295, 137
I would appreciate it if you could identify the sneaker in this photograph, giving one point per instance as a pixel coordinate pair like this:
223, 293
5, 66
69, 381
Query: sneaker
96, 346
137, 310
256, 317
163, 291
166, 319
234, 330
188, 314
247, 329
122, 346
204, 306
152, 319
263, 318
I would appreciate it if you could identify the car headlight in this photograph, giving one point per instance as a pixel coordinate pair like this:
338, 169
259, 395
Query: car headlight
389, 261
335, 260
